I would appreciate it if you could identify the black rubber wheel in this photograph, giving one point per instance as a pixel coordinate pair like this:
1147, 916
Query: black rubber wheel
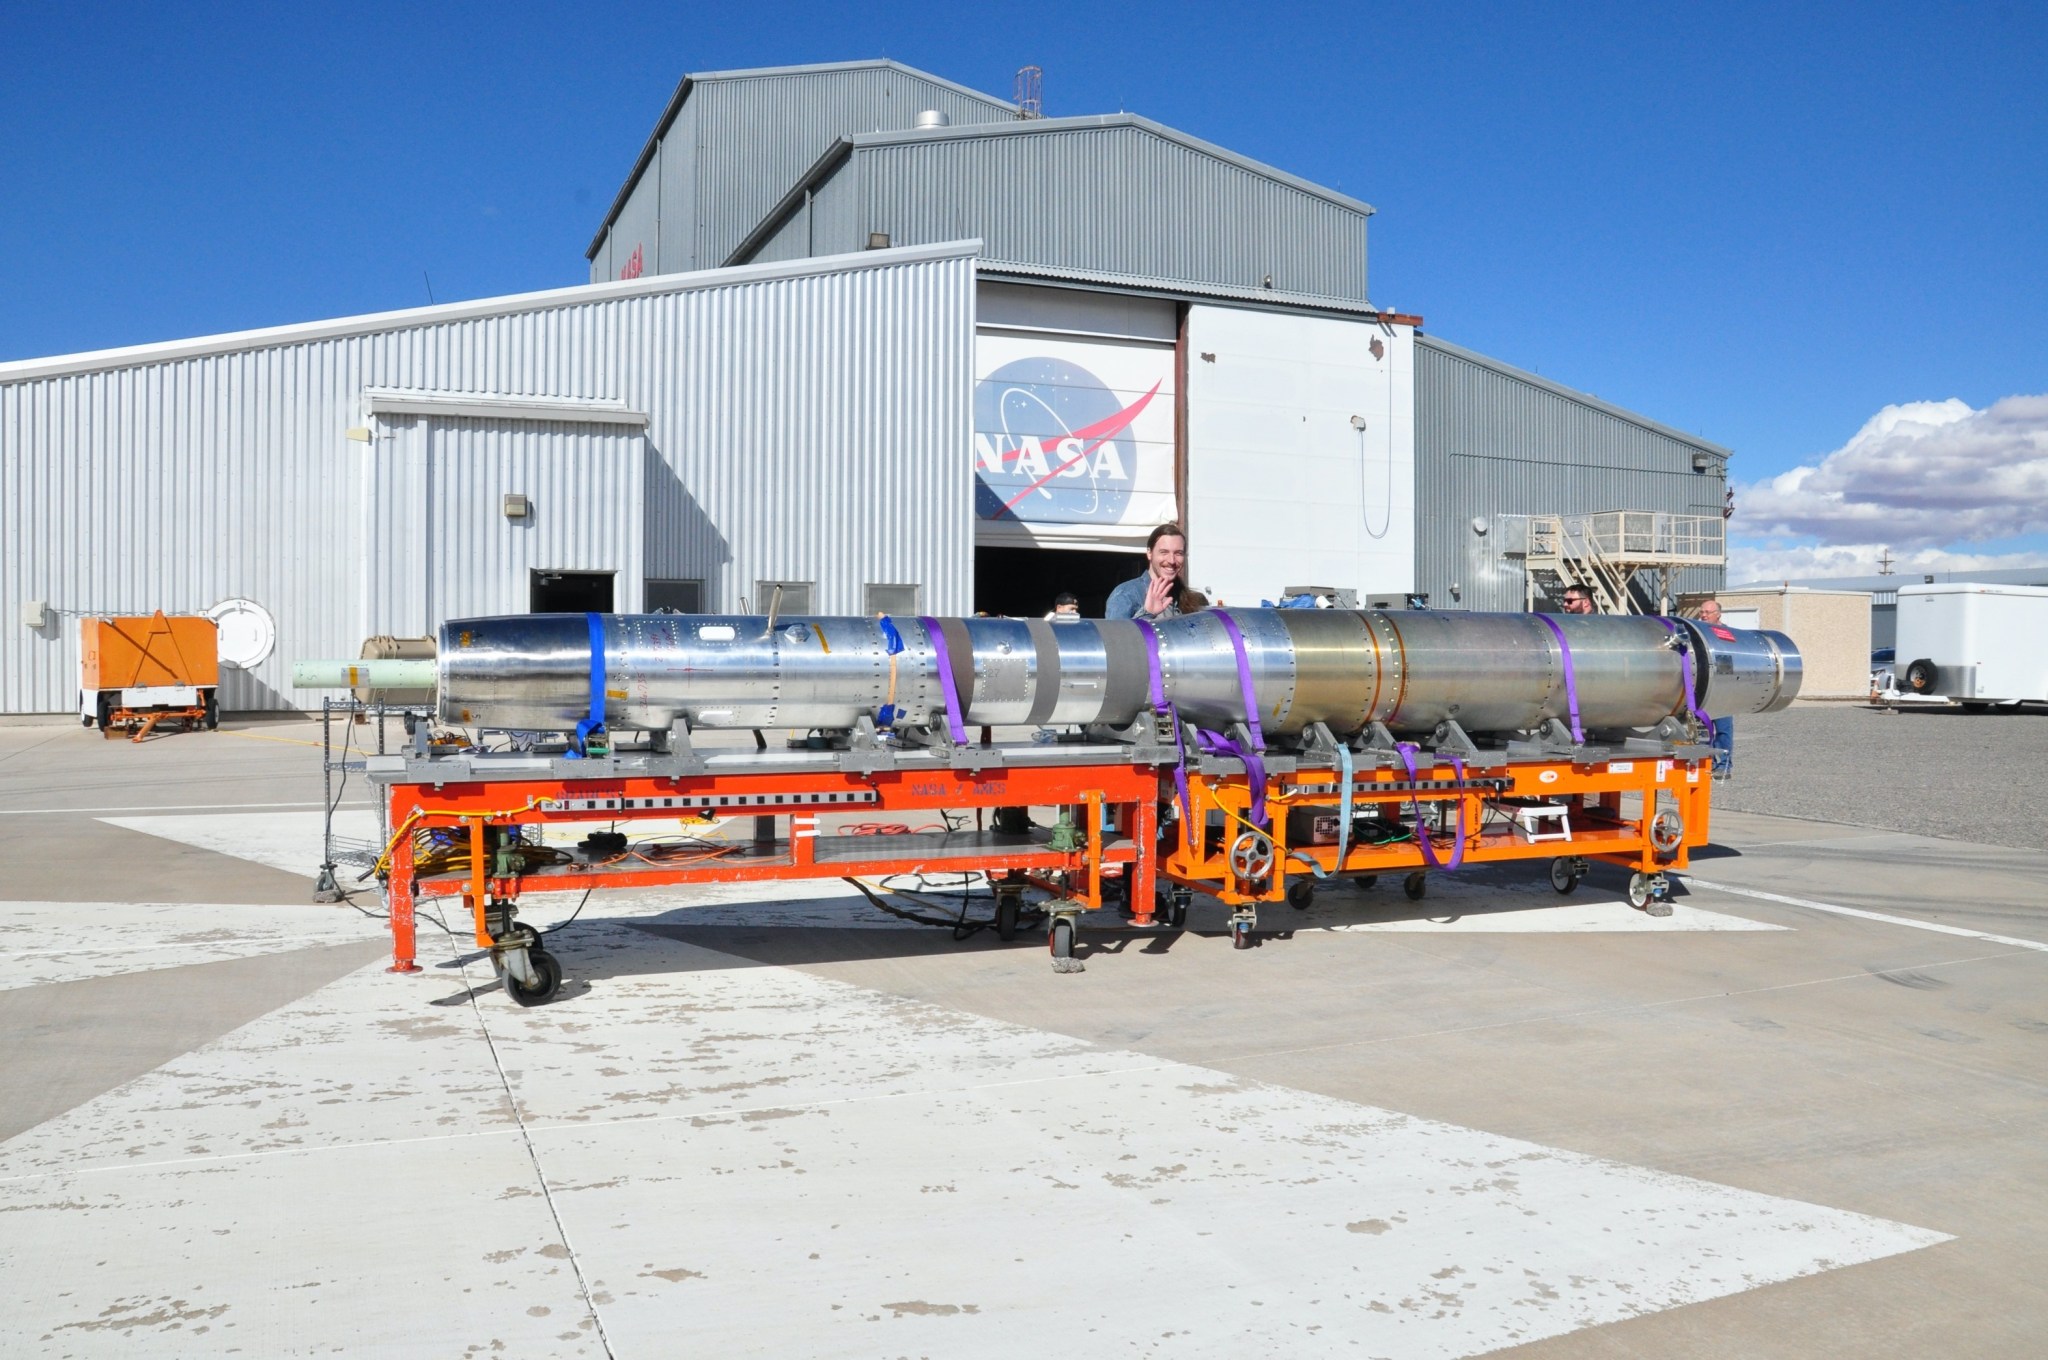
1006, 916
1416, 885
1177, 914
1975, 708
1300, 893
1921, 676
1060, 938
1365, 881
1240, 936
1561, 876
548, 975
84, 718
105, 705
212, 709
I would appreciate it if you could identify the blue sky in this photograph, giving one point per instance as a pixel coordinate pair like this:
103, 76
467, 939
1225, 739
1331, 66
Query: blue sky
1762, 224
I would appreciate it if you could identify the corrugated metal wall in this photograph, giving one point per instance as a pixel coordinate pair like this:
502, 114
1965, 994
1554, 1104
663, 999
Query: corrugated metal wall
807, 422
758, 135
585, 512
1100, 196
737, 144
1490, 440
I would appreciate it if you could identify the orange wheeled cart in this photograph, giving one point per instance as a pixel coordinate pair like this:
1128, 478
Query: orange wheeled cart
1416, 812
461, 827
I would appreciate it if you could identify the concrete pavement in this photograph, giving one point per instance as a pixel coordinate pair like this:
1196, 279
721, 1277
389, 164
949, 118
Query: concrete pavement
1493, 1119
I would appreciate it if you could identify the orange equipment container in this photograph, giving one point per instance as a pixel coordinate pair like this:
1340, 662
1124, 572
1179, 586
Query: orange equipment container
141, 670
143, 652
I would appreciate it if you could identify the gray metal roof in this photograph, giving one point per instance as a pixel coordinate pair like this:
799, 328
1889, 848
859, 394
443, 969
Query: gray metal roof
996, 108
373, 323
1113, 197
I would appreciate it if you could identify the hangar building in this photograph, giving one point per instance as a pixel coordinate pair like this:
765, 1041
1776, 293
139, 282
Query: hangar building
861, 333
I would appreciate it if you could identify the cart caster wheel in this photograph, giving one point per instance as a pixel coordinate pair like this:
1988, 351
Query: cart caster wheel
1300, 893
1006, 917
1365, 881
547, 979
1240, 934
1177, 914
1416, 886
1647, 894
1561, 876
1060, 941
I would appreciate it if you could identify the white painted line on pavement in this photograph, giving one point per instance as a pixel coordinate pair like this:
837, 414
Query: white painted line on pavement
1870, 915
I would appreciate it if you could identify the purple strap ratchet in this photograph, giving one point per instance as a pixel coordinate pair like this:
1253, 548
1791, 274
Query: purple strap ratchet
1408, 751
1571, 679
947, 688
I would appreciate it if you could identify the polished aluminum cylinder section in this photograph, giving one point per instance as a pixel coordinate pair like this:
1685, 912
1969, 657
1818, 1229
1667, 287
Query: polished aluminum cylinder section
1410, 670
1744, 670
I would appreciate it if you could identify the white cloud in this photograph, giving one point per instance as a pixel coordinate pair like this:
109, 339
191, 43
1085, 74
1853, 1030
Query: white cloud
1923, 475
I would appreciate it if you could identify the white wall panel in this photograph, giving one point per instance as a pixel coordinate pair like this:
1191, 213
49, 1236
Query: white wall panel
1283, 489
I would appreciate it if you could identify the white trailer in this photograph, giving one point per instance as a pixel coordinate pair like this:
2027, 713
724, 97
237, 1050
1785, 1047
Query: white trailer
1972, 644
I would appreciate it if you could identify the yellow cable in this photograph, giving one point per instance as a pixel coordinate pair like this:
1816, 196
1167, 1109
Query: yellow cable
384, 858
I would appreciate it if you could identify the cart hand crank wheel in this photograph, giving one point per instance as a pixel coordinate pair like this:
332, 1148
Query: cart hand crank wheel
1251, 855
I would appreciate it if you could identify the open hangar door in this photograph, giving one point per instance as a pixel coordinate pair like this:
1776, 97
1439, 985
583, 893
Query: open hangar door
472, 516
1074, 440
1301, 454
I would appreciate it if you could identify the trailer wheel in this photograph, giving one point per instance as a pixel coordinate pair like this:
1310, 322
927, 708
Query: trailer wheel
1921, 677
1416, 885
547, 979
1561, 876
84, 718
1059, 940
212, 710
1300, 893
1365, 881
105, 706
1006, 916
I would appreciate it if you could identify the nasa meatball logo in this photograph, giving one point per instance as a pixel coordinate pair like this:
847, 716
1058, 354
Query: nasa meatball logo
1053, 444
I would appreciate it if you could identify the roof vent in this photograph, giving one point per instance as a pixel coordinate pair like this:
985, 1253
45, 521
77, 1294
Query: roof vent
932, 118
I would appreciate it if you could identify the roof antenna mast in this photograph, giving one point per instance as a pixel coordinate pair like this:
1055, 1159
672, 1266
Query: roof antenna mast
1030, 103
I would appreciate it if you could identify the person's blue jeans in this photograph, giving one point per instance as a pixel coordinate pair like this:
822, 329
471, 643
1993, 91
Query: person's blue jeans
1724, 745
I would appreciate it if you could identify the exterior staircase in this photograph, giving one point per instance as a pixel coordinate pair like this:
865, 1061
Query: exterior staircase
1624, 558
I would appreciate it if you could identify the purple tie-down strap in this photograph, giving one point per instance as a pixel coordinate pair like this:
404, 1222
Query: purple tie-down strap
946, 686
1691, 692
1571, 679
1408, 751
1159, 705
1244, 678
1216, 744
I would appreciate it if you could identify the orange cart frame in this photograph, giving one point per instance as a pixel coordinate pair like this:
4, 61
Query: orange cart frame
806, 799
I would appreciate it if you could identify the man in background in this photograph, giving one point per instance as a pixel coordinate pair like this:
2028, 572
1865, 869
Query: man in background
1724, 728
1578, 600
